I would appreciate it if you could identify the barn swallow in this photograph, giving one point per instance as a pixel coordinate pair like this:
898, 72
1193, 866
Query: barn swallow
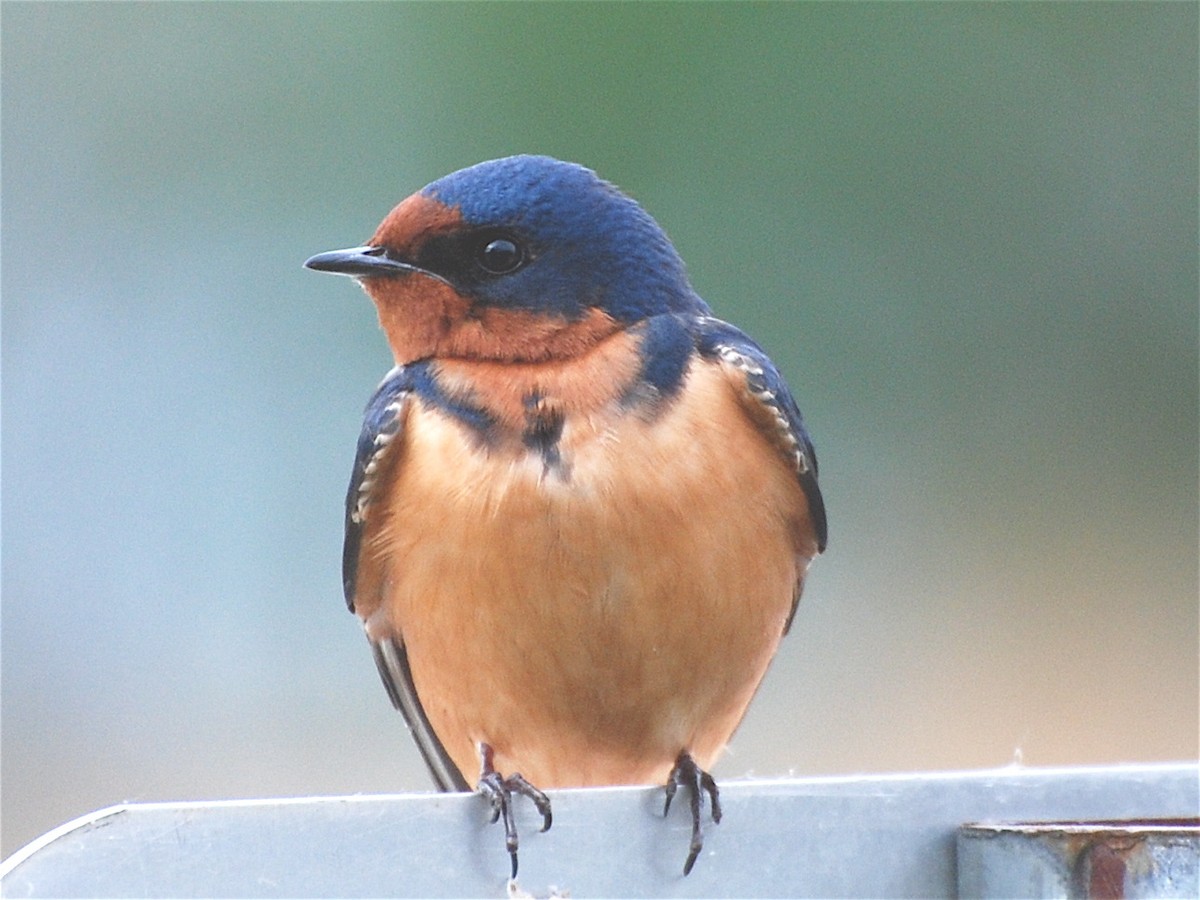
582, 508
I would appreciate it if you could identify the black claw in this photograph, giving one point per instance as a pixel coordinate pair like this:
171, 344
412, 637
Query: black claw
714, 795
499, 792
672, 785
698, 782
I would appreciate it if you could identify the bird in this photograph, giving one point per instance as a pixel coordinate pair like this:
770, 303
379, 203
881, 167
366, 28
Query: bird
582, 507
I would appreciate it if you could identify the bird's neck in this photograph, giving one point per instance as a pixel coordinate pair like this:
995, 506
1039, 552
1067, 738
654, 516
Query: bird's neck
510, 392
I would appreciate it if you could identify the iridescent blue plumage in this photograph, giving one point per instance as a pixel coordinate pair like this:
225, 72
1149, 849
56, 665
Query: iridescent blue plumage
590, 244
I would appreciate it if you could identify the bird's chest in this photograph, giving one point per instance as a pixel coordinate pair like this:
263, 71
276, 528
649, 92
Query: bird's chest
540, 505
579, 519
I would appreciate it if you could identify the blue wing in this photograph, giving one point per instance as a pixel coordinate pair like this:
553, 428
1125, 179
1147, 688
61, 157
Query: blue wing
781, 417
382, 420
379, 446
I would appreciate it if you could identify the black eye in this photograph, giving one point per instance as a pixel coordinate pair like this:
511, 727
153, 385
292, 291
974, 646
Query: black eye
500, 255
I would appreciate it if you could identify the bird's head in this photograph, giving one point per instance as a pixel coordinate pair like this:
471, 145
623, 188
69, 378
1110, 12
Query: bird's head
519, 259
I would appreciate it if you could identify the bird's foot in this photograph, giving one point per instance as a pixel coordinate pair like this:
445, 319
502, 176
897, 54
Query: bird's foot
698, 782
499, 791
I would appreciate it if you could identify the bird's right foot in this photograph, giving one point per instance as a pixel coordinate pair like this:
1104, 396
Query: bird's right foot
499, 791
697, 783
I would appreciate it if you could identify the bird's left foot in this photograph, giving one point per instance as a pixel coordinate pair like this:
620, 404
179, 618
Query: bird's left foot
698, 782
499, 791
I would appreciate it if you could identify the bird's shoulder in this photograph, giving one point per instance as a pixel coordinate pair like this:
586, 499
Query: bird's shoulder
769, 402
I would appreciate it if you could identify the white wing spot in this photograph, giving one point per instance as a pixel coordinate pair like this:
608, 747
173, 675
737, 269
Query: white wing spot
381, 442
768, 398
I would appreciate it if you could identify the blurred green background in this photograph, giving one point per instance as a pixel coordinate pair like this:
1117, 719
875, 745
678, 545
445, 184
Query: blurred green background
967, 234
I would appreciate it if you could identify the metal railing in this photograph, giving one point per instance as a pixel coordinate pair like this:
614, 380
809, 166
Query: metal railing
871, 836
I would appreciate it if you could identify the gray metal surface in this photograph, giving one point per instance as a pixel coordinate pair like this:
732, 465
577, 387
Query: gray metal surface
885, 836
1130, 859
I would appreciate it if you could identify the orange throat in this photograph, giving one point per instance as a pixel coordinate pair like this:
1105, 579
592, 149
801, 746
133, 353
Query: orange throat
425, 318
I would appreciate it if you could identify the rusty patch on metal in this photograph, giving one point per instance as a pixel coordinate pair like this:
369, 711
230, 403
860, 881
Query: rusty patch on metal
1105, 858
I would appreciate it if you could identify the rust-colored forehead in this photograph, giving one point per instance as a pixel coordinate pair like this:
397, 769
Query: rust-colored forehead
413, 221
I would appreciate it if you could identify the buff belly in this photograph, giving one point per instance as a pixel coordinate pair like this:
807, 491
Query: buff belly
591, 620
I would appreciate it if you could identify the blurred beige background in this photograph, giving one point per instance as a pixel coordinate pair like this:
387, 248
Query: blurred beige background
967, 233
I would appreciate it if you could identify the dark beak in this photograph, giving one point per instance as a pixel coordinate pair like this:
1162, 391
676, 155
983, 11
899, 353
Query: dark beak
361, 262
